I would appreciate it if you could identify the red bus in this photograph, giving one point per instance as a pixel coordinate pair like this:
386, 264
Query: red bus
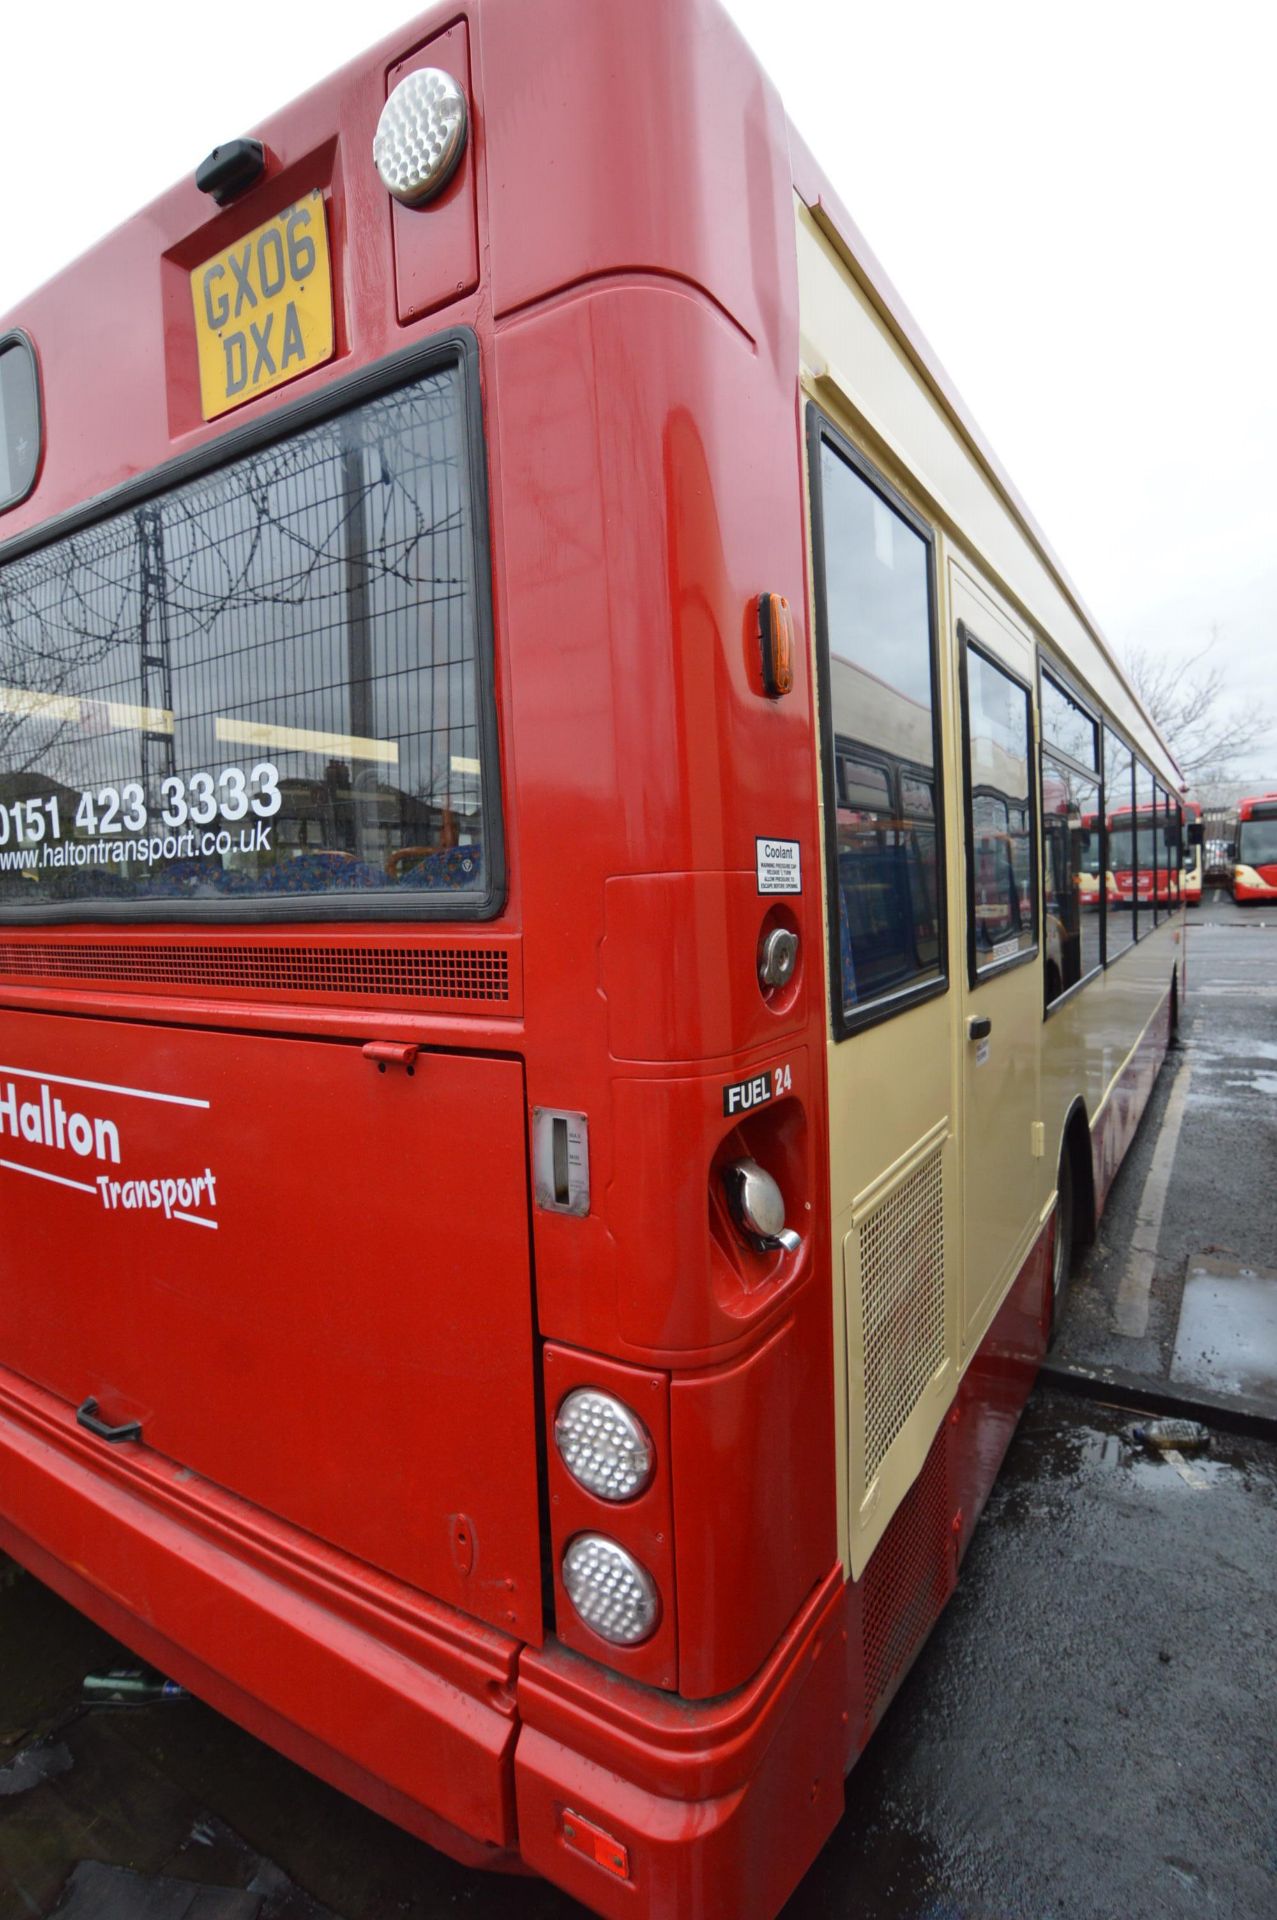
1143, 865
1092, 877
1192, 875
1254, 875
539, 1156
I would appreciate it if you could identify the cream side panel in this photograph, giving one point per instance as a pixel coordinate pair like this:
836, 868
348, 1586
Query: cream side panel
854, 362
1005, 1184
837, 1287
893, 1155
1087, 1041
896, 1089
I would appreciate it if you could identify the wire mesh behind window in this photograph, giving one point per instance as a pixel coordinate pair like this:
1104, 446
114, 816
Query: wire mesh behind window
262, 683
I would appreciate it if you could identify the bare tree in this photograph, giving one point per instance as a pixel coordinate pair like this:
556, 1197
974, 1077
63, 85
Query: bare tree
1188, 702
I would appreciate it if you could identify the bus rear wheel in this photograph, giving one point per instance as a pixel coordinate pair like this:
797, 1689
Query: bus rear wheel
1062, 1242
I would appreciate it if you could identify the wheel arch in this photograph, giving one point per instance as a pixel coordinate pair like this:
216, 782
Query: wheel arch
1075, 1141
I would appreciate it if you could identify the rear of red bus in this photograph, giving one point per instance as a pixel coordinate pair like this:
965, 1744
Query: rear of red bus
1192, 875
1139, 871
394, 817
1091, 877
1254, 875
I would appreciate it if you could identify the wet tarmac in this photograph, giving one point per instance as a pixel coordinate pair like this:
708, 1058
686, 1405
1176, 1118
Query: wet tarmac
1086, 1736
1226, 1340
1088, 1733
1219, 1197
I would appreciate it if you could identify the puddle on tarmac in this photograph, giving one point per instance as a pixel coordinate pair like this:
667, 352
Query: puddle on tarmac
1226, 1340
33, 1766
1224, 1045
1069, 1453
1256, 1082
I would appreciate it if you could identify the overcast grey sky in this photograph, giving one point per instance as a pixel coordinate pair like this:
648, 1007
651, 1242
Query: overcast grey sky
1076, 202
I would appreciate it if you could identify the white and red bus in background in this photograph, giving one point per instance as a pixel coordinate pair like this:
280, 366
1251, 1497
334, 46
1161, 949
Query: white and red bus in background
1144, 857
1192, 875
554, 1063
1254, 850
1091, 877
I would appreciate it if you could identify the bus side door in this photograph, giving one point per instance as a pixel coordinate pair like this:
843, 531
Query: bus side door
1002, 933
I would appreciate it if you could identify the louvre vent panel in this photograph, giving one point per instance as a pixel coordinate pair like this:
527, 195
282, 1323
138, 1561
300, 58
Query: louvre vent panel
907, 1579
902, 1303
479, 976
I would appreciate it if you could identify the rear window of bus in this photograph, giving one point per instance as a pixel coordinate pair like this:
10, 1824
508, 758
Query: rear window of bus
264, 692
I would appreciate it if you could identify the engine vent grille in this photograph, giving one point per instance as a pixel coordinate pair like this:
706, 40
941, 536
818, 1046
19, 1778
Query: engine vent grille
902, 1303
465, 975
907, 1580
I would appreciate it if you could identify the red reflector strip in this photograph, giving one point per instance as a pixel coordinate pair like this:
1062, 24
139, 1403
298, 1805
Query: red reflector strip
584, 1837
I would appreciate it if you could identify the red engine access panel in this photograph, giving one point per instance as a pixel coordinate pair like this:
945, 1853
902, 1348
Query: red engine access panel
293, 1269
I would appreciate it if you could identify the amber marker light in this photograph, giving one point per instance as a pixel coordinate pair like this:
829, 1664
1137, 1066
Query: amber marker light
776, 639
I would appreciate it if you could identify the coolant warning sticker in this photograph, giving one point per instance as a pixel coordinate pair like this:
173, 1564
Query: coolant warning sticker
778, 865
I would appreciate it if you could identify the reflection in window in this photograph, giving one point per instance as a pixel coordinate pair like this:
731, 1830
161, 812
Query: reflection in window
1120, 874
1174, 846
261, 684
1001, 903
1148, 833
1066, 724
878, 621
19, 421
1070, 812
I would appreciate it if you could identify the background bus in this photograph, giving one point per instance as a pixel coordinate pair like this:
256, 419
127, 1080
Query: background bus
1192, 875
1092, 875
1254, 850
539, 1155
1144, 858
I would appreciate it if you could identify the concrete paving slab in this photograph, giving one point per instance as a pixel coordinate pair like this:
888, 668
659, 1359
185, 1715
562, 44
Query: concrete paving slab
1227, 1336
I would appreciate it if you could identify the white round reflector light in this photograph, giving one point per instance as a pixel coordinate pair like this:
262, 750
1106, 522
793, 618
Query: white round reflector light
613, 1594
603, 1445
420, 135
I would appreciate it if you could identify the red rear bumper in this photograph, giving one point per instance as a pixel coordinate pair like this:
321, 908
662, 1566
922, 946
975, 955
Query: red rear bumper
449, 1728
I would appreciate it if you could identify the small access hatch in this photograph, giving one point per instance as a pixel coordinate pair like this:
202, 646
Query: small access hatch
303, 1271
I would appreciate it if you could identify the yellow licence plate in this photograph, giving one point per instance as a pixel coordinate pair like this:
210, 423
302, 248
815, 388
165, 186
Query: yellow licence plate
264, 308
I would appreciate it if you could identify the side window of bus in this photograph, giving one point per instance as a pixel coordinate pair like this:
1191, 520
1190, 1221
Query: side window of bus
1071, 906
876, 633
1120, 870
1174, 846
1148, 834
1073, 897
1001, 907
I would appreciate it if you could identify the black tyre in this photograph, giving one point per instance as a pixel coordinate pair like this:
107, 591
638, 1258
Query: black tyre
1062, 1250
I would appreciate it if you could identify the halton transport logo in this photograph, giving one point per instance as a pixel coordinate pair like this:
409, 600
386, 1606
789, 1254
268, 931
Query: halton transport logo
32, 1114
